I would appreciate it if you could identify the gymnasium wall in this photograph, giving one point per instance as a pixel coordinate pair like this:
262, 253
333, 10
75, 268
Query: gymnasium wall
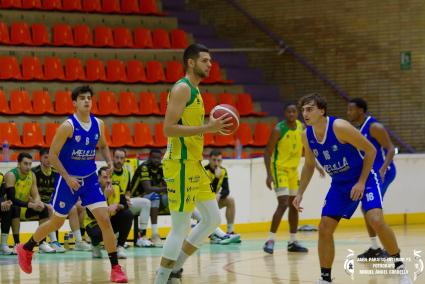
357, 44
255, 203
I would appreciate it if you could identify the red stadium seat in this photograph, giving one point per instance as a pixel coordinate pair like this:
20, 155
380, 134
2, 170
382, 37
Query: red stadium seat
51, 128
154, 72
31, 68
129, 7
245, 106
123, 37
82, 35
163, 100
62, 35
103, 36
121, 135
52, 5
107, 103
174, 71
160, 138
128, 104
110, 6
149, 7
74, 70
262, 134
142, 38
224, 140
41, 102
9, 68
215, 75
63, 103
9, 132
11, 4
209, 139
148, 104
53, 69
91, 6
115, 71
95, 70
39, 34
135, 71
71, 5
20, 102
142, 135
4, 105
31, 4
32, 135
94, 107
209, 102
108, 136
161, 39
244, 134
20, 34
4, 34
226, 98
179, 39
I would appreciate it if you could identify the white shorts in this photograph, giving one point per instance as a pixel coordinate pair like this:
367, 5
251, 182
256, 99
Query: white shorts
282, 191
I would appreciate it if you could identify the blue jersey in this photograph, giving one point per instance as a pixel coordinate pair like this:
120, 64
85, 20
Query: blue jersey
380, 151
342, 162
79, 152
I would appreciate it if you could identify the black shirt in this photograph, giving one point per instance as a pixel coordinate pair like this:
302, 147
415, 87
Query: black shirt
45, 183
146, 171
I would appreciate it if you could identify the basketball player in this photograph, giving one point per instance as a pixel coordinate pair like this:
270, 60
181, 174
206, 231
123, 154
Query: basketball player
45, 177
282, 158
5, 219
375, 132
335, 143
72, 154
187, 183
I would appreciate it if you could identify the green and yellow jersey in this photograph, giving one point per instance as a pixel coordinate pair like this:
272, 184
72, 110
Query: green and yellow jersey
23, 185
288, 149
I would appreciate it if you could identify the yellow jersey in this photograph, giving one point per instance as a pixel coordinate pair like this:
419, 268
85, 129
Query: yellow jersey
288, 150
190, 147
122, 180
114, 198
23, 185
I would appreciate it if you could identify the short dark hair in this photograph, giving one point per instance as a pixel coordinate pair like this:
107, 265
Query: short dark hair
119, 149
81, 90
215, 153
24, 155
155, 151
288, 104
192, 52
43, 151
360, 103
102, 169
318, 100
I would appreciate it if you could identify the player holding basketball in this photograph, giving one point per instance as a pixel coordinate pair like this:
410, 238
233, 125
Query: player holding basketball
375, 132
72, 154
335, 143
187, 183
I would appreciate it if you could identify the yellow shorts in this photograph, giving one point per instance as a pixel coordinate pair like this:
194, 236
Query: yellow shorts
285, 178
187, 183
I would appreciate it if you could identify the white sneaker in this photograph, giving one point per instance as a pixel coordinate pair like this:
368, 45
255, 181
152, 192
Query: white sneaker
57, 247
5, 250
121, 252
82, 246
321, 281
404, 276
45, 248
143, 243
96, 252
156, 241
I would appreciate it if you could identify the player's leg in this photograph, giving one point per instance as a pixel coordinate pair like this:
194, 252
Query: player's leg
155, 199
43, 216
229, 203
15, 223
121, 224
282, 204
95, 234
74, 223
326, 246
141, 206
6, 223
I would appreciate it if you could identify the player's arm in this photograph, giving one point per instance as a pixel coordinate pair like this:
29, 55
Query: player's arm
35, 195
146, 181
135, 181
178, 98
306, 172
9, 181
102, 144
378, 131
346, 133
225, 191
268, 154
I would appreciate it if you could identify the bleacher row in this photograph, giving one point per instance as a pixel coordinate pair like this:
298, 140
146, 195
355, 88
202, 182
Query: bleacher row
144, 7
81, 35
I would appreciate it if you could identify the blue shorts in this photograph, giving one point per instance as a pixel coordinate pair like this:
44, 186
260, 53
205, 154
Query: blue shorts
90, 193
389, 178
338, 203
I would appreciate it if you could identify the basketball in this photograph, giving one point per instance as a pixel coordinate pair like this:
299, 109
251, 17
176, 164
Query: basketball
222, 109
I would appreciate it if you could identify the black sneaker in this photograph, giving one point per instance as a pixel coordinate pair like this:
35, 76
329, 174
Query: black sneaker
296, 247
176, 275
373, 253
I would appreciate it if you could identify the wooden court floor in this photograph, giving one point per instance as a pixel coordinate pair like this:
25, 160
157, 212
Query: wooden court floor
236, 263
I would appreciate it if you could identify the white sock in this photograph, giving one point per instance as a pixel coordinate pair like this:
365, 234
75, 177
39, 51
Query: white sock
292, 238
374, 242
52, 236
180, 261
77, 234
271, 236
229, 228
4, 239
162, 275
219, 232
154, 229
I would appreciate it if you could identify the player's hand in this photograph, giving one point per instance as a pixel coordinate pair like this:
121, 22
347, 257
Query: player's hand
219, 124
269, 181
217, 172
5, 205
128, 199
73, 183
357, 191
382, 172
120, 207
109, 190
39, 206
113, 208
297, 202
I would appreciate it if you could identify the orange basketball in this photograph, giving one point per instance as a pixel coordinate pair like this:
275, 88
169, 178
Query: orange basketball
222, 109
